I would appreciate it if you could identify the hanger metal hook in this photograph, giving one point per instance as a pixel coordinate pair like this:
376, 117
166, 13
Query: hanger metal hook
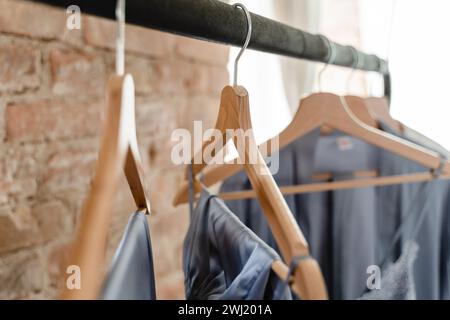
120, 37
247, 40
356, 65
331, 59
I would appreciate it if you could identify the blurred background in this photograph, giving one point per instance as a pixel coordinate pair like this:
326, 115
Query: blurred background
410, 34
52, 83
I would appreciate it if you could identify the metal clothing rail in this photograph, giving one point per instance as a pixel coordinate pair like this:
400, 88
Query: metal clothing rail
213, 20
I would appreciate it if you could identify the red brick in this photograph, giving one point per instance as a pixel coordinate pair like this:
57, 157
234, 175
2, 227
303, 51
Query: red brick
181, 77
75, 73
145, 79
3, 195
163, 185
73, 197
202, 51
32, 20
53, 220
23, 227
156, 117
198, 81
19, 66
51, 142
160, 152
170, 76
57, 263
22, 275
2, 121
195, 111
19, 172
20, 162
218, 79
18, 189
102, 32
168, 230
50, 120
17, 229
171, 287
68, 167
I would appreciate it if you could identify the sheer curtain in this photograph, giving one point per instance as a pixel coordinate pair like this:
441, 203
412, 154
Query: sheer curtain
411, 33
275, 84
419, 49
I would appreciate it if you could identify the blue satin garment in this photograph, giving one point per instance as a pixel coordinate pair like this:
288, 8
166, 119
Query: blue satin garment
350, 230
224, 260
131, 275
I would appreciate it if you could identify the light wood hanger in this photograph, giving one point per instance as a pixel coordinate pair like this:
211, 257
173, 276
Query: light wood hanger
334, 112
371, 110
327, 109
234, 114
359, 108
118, 151
214, 174
331, 108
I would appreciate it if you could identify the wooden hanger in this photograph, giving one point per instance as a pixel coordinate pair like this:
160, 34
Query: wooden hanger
216, 173
359, 108
234, 114
370, 110
328, 109
351, 115
379, 109
118, 151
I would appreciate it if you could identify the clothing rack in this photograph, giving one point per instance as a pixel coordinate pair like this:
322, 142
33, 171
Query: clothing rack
215, 21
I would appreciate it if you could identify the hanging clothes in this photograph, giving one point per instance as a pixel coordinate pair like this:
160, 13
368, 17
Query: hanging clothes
131, 275
349, 230
224, 260
333, 243
397, 280
432, 267
413, 135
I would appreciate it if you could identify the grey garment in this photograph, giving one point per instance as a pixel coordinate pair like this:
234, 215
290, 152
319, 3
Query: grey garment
419, 138
131, 275
354, 239
397, 279
349, 230
224, 260
331, 221
432, 268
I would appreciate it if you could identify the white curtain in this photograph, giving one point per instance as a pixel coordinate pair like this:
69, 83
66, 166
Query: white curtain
419, 51
298, 76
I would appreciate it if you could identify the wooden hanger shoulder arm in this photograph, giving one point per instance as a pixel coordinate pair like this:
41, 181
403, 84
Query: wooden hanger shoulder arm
89, 244
133, 167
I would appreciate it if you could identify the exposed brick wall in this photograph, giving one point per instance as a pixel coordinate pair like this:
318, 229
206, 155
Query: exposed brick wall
52, 83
